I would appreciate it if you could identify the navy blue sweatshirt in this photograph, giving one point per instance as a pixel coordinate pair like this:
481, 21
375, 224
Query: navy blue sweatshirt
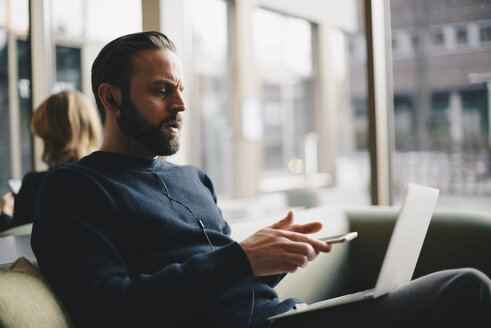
120, 253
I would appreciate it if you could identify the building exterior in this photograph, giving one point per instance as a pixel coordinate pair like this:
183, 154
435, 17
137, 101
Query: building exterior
441, 61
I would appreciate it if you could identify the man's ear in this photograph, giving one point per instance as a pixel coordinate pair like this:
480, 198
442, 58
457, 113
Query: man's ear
110, 97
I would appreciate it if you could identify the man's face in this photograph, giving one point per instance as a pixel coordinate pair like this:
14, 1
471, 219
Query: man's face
150, 111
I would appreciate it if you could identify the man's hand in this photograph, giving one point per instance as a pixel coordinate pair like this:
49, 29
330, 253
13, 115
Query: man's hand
7, 204
283, 247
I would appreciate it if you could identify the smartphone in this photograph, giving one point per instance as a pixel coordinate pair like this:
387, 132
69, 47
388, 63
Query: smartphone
340, 238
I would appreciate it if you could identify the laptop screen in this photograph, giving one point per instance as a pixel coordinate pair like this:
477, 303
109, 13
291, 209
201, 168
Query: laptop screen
407, 238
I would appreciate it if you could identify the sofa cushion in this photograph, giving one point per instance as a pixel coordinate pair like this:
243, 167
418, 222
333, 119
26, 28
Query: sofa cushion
27, 300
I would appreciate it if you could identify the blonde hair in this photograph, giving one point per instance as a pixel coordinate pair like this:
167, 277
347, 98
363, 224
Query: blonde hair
69, 126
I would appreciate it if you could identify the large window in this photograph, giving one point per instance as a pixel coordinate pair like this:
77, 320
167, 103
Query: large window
277, 92
211, 108
95, 20
15, 108
283, 54
441, 100
353, 162
270, 110
68, 68
80, 29
24, 103
315, 131
5, 147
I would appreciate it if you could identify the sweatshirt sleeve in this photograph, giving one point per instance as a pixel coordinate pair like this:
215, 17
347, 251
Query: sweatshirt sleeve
6, 221
25, 200
75, 249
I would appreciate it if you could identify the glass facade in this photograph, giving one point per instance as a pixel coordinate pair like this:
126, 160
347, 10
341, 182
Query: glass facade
5, 147
80, 29
212, 132
285, 74
68, 68
78, 34
441, 109
25, 112
302, 114
15, 96
95, 20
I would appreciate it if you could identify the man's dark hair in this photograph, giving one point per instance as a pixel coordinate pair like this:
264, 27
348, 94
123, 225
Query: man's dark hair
113, 65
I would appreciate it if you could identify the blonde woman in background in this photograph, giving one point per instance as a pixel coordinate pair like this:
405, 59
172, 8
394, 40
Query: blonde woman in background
70, 128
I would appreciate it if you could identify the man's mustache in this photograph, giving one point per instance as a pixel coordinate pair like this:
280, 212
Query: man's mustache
175, 120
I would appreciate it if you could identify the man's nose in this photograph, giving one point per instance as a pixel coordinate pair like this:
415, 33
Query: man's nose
178, 104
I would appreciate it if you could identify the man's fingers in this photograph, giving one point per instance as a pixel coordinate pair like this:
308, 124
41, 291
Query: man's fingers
286, 222
295, 256
283, 246
318, 245
311, 227
285, 267
303, 249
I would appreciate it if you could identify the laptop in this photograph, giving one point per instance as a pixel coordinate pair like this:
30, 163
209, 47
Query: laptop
402, 253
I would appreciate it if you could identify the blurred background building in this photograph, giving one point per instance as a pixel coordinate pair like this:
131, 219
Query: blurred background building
442, 85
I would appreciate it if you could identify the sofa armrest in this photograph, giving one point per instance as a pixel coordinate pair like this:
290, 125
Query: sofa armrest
27, 300
455, 239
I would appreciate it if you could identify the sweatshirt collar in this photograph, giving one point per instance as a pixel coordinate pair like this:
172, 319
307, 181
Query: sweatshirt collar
123, 160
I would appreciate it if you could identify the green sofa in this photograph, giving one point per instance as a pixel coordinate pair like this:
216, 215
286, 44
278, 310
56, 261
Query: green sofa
455, 239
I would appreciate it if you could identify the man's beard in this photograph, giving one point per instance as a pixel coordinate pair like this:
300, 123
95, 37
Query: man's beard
159, 140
